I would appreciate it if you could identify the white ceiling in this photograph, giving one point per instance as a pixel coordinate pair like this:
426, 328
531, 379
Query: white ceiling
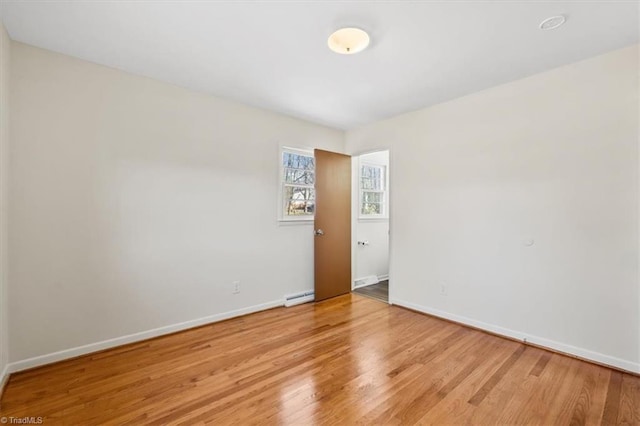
274, 54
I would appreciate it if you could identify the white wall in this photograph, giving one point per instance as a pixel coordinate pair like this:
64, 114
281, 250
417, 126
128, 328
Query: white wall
136, 204
552, 158
372, 259
5, 56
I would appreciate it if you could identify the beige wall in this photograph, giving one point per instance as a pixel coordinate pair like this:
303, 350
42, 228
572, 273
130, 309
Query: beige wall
5, 47
551, 159
136, 204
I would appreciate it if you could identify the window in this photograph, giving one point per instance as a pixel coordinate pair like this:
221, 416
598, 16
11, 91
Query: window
298, 178
373, 190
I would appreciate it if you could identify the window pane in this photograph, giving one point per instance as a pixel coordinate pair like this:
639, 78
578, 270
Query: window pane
307, 163
372, 197
375, 173
287, 159
310, 207
303, 177
299, 208
372, 177
297, 161
371, 208
300, 193
368, 183
298, 200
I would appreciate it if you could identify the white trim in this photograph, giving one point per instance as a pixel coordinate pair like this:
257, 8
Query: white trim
375, 219
357, 286
539, 341
383, 277
296, 149
289, 222
135, 337
4, 377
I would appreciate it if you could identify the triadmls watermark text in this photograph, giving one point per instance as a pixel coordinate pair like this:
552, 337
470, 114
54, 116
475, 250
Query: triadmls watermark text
27, 420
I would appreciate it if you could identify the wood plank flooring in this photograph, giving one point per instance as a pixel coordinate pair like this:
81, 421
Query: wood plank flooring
348, 360
379, 291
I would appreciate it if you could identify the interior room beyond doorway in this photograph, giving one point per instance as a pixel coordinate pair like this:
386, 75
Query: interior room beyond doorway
371, 225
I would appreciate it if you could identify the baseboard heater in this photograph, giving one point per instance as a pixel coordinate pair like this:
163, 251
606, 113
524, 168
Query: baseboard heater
363, 282
298, 298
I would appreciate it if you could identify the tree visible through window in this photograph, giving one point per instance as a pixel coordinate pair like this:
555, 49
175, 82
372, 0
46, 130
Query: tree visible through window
372, 190
298, 179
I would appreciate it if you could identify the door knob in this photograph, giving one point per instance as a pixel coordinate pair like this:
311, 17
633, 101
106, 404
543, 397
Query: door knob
318, 232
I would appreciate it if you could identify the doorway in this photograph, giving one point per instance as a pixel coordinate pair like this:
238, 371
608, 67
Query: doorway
370, 224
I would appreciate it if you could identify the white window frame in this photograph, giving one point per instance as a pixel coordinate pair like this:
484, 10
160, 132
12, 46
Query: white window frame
282, 217
384, 191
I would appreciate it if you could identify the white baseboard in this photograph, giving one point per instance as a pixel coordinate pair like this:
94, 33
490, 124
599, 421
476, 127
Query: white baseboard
4, 377
355, 286
383, 277
131, 338
136, 337
535, 340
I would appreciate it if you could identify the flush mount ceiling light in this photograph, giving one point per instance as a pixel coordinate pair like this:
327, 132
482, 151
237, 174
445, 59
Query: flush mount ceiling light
348, 41
552, 23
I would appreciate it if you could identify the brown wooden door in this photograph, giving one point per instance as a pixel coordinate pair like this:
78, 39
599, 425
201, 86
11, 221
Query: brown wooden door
332, 226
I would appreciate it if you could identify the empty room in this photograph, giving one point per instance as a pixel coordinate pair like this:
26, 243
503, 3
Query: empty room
319, 212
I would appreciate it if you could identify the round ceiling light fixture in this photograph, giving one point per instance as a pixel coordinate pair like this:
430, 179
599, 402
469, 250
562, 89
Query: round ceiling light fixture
553, 22
348, 41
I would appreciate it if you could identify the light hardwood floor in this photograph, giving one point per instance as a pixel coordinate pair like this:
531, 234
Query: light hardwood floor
379, 291
348, 360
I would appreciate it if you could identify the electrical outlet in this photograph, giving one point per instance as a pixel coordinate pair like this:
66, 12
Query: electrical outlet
443, 288
236, 287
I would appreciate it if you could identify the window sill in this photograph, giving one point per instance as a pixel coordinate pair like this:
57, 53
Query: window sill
293, 222
373, 219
